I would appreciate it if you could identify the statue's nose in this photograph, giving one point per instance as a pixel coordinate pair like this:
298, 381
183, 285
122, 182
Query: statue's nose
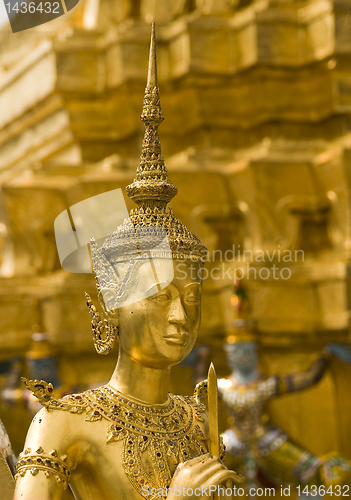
177, 314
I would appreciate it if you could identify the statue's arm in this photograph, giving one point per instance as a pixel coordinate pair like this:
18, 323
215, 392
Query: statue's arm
6, 449
303, 379
43, 470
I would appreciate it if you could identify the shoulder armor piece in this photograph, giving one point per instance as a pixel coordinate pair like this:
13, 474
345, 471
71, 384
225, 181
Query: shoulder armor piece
42, 390
201, 394
74, 403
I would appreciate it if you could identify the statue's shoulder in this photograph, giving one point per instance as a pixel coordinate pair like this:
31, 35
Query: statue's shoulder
200, 397
196, 403
84, 402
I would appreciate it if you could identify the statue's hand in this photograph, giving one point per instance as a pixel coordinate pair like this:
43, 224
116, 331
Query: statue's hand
197, 475
340, 351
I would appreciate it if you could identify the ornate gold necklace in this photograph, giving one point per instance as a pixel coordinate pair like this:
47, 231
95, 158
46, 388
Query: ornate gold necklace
156, 438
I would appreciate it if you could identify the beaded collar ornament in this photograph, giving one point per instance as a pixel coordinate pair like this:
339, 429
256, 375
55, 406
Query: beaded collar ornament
156, 438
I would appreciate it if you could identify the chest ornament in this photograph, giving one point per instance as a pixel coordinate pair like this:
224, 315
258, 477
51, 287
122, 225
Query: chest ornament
155, 438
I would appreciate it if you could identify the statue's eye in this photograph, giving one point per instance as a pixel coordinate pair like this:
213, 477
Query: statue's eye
192, 294
192, 299
161, 297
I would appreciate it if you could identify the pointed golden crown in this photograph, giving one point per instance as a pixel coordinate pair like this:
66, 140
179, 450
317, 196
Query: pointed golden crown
144, 232
152, 187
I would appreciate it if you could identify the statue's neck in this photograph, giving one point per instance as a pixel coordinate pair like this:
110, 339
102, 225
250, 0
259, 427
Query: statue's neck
146, 384
245, 376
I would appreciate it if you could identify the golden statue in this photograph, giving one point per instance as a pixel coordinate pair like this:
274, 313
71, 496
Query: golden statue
254, 446
7, 465
130, 438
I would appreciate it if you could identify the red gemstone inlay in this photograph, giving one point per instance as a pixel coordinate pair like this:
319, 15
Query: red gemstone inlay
50, 389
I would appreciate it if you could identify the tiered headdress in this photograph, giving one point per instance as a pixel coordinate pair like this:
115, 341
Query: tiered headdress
152, 230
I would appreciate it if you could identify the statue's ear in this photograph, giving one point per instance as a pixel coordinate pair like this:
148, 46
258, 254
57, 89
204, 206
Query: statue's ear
108, 301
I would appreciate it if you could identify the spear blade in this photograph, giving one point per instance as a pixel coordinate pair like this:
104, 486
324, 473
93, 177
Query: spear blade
213, 410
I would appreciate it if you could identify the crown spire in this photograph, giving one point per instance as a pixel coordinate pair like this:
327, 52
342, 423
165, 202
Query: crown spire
151, 187
151, 220
152, 69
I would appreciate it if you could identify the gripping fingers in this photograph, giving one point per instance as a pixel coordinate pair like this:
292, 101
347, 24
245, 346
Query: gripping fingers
198, 466
208, 473
195, 464
221, 477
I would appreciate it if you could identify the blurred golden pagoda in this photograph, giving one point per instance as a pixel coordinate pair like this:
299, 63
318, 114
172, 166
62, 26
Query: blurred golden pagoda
257, 105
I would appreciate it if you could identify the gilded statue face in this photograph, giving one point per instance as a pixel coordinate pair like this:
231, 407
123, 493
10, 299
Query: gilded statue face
161, 329
242, 356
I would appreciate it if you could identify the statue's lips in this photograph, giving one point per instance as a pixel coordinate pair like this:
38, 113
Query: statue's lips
177, 339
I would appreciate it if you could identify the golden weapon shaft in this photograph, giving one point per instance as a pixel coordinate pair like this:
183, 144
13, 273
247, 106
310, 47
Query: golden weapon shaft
213, 414
213, 411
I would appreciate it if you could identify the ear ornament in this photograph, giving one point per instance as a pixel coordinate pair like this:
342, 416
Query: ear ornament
104, 334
